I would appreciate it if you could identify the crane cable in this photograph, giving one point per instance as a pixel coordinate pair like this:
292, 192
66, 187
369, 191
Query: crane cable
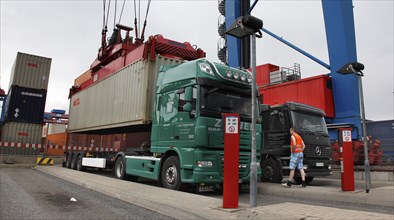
105, 22
121, 12
146, 17
116, 5
109, 6
135, 20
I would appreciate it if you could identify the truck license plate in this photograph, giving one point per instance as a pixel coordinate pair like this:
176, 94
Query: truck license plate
205, 188
320, 164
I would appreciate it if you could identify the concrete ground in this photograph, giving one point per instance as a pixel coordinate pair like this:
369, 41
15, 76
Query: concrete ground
182, 205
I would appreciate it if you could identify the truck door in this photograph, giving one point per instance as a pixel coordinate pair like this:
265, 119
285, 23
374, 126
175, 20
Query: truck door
276, 125
184, 126
167, 118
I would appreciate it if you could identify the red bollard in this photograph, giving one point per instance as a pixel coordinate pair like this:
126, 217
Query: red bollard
231, 160
347, 166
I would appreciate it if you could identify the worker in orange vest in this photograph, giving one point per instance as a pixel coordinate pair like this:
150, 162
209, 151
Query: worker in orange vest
297, 147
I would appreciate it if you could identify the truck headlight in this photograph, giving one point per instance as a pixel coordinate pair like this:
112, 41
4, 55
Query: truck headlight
229, 73
204, 164
330, 167
206, 68
249, 78
236, 75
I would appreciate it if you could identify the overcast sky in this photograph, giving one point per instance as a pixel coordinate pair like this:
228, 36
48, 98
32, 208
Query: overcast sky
69, 32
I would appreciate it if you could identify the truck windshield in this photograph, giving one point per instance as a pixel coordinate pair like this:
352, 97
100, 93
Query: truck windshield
215, 101
308, 122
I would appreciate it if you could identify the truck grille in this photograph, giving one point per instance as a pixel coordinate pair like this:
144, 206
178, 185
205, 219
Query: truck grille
244, 163
317, 151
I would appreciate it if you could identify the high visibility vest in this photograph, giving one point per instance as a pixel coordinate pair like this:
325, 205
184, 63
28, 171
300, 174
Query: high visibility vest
297, 146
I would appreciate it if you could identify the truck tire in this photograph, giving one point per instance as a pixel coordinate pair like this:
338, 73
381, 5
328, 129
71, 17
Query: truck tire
271, 171
79, 163
74, 161
120, 168
308, 180
171, 173
68, 160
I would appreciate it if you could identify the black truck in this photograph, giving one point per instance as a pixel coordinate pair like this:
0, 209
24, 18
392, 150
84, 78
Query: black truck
310, 125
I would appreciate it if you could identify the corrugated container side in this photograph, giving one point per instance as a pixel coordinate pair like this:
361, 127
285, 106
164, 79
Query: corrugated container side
118, 142
59, 139
135, 140
314, 91
56, 129
124, 98
21, 133
86, 76
30, 71
25, 105
56, 139
74, 139
384, 132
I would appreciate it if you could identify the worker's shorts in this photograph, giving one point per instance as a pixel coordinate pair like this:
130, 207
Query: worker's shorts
296, 160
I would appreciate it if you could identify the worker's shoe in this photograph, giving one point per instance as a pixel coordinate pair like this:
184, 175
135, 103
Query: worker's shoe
302, 185
287, 185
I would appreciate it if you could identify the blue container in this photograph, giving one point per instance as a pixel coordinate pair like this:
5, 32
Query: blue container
25, 105
383, 131
58, 111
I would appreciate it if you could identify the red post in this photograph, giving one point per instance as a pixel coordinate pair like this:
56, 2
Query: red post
231, 160
347, 166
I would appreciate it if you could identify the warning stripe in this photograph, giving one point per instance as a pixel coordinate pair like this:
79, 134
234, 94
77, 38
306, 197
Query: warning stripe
44, 161
65, 148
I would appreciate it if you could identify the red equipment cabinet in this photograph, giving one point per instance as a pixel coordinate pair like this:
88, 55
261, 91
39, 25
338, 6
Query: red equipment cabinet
231, 160
347, 167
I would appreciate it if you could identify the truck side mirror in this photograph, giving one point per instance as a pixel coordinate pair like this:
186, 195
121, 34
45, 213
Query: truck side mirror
264, 107
189, 94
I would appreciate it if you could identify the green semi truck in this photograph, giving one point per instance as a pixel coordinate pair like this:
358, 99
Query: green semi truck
180, 105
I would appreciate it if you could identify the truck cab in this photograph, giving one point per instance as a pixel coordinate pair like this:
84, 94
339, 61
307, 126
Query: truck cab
187, 136
310, 125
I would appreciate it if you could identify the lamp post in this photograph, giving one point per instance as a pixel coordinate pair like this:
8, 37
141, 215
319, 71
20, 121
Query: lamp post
242, 27
356, 68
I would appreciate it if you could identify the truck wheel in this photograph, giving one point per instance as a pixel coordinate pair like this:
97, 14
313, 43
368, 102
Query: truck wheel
308, 179
271, 171
120, 168
68, 160
74, 161
170, 173
79, 163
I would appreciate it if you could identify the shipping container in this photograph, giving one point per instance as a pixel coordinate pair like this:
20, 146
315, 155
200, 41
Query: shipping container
55, 144
384, 132
314, 91
118, 142
59, 139
25, 105
30, 71
84, 80
21, 133
122, 99
51, 128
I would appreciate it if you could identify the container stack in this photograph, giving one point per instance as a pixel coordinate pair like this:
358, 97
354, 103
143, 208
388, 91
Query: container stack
25, 104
